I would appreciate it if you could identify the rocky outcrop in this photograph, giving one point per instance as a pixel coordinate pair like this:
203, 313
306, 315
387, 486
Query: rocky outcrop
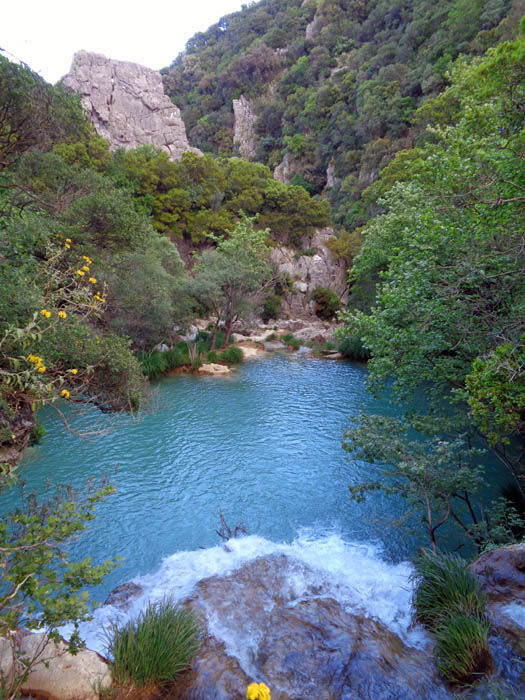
126, 104
501, 573
317, 268
244, 127
16, 425
301, 646
213, 369
285, 171
57, 674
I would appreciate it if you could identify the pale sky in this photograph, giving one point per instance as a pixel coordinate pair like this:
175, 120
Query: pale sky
46, 34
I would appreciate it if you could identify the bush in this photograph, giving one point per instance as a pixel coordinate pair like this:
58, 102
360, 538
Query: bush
351, 346
155, 363
231, 355
291, 341
271, 308
154, 648
326, 302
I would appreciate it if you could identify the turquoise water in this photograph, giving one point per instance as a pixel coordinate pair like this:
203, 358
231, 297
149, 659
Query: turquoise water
263, 445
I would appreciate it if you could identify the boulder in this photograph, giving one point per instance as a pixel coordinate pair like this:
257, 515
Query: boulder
57, 674
126, 104
213, 369
301, 643
123, 595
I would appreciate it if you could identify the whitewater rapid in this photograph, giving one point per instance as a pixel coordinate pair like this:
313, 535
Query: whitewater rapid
353, 573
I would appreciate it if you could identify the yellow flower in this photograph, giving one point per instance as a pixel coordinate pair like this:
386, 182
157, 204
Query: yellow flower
86, 268
65, 393
81, 273
68, 240
258, 691
62, 314
41, 369
67, 245
74, 371
88, 260
93, 280
45, 313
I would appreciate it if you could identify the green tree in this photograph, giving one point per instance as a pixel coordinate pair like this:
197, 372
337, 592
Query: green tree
448, 314
226, 278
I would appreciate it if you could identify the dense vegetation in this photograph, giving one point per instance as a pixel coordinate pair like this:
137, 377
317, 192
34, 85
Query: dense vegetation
335, 83
446, 259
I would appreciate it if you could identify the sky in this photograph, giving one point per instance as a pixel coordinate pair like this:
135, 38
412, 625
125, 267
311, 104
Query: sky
46, 34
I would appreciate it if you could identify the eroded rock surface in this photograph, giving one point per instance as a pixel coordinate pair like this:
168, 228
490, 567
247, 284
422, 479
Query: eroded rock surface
244, 126
58, 675
301, 642
319, 268
126, 104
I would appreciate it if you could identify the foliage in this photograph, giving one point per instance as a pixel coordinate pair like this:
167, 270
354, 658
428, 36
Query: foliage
226, 278
448, 257
271, 307
202, 195
154, 648
156, 363
448, 600
231, 355
351, 346
290, 340
326, 301
34, 114
41, 589
343, 98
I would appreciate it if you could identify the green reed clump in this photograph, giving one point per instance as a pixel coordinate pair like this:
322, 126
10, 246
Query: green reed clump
462, 649
351, 346
448, 600
445, 587
155, 363
154, 648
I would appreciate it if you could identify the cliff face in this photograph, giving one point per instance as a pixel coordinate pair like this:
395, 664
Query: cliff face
244, 126
126, 104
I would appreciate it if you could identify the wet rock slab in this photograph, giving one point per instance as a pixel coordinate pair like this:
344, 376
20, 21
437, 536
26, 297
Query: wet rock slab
301, 642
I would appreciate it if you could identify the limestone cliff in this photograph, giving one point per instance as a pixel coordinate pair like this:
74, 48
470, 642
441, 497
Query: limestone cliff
126, 104
244, 127
316, 267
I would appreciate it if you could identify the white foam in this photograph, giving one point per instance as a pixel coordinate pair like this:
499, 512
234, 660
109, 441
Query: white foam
353, 573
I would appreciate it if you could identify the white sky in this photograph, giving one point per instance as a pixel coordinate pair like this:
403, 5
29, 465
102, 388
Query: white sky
46, 34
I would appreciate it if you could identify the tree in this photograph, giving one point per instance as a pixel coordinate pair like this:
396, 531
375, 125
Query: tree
448, 314
226, 278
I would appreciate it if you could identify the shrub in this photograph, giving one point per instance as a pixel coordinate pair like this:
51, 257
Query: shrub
271, 308
291, 341
326, 302
462, 649
351, 346
155, 363
231, 355
155, 647
445, 588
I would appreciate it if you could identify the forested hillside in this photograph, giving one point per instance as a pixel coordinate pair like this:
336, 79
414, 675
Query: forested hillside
335, 84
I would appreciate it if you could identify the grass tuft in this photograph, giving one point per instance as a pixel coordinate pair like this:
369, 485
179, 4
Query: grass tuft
448, 601
154, 648
445, 587
462, 649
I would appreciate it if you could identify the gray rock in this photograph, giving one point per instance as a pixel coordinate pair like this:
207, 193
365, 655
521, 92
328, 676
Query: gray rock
322, 269
121, 596
57, 674
126, 104
244, 126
